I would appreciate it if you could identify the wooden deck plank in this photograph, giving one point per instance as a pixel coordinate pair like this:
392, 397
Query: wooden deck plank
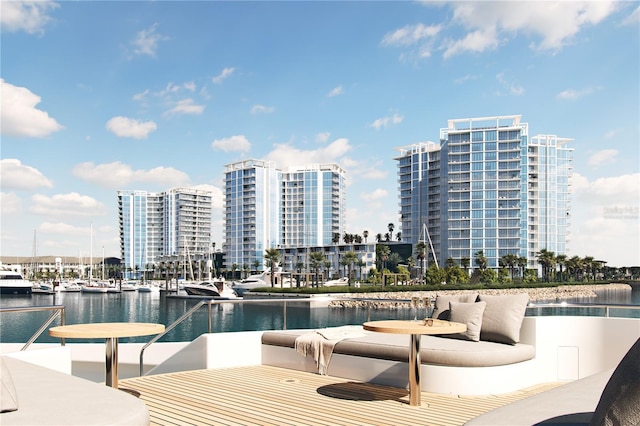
264, 395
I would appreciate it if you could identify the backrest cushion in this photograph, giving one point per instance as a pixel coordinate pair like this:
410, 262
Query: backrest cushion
441, 307
469, 314
8, 396
620, 401
503, 317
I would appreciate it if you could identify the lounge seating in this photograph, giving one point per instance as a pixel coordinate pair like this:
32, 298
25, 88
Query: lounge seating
35, 395
465, 365
607, 398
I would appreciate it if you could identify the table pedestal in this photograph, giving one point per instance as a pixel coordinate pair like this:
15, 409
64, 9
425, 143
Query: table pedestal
111, 364
414, 370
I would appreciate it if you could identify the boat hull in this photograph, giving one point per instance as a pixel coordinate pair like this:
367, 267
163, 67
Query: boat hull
200, 291
18, 290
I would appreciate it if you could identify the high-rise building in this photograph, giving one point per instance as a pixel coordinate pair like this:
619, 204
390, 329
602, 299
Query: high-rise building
158, 226
486, 187
266, 207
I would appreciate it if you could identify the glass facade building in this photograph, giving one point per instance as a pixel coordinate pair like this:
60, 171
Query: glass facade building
486, 187
266, 207
156, 226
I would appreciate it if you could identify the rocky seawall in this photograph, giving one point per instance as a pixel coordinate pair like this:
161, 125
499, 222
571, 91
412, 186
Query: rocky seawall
583, 293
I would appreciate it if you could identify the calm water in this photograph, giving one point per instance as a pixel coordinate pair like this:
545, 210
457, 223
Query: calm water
155, 307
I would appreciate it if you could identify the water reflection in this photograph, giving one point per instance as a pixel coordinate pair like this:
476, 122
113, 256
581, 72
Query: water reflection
153, 307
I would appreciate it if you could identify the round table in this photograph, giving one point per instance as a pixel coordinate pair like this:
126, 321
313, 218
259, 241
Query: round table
415, 329
110, 331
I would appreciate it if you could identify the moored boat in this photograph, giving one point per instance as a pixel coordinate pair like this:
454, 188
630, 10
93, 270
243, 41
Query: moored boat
216, 288
12, 282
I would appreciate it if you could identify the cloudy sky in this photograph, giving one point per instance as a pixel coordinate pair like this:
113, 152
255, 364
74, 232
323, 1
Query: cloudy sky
105, 96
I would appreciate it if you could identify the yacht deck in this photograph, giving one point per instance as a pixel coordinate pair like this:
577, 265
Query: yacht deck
265, 395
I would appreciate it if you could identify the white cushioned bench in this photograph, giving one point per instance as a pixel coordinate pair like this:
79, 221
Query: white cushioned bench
49, 397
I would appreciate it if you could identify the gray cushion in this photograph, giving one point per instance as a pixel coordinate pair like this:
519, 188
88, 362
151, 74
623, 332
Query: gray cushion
503, 317
469, 314
441, 307
620, 401
8, 396
433, 349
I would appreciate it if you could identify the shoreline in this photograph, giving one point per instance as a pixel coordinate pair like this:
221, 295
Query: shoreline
546, 294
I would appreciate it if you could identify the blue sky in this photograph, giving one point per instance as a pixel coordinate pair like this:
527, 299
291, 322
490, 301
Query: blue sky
106, 96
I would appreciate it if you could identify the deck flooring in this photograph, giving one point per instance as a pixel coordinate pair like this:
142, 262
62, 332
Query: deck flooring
265, 395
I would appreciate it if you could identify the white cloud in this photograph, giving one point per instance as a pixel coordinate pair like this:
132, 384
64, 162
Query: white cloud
410, 34
130, 128
63, 229
376, 195
186, 106
475, 41
386, 121
285, 155
323, 137
606, 156
146, 41
15, 175
72, 204
488, 25
28, 16
19, 115
261, 109
608, 190
119, 175
233, 143
10, 203
338, 90
223, 75
572, 94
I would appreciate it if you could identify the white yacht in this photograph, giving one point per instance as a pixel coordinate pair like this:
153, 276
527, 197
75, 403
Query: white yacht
12, 282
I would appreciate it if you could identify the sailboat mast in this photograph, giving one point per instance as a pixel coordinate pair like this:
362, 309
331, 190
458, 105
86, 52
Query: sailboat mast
90, 252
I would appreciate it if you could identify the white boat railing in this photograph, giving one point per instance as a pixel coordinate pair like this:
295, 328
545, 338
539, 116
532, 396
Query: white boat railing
58, 310
210, 304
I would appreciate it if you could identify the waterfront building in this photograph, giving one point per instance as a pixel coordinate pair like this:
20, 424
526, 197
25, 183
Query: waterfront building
155, 227
267, 207
487, 186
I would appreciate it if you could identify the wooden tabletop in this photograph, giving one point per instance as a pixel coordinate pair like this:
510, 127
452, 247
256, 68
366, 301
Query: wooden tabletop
415, 327
106, 330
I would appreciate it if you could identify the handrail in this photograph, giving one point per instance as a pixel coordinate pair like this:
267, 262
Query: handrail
606, 306
209, 303
58, 311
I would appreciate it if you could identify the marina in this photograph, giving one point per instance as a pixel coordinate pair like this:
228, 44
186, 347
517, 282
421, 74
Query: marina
197, 380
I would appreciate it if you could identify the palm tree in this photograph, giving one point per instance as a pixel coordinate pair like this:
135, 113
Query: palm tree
390, 227
561, 260
272, 256
574, 264
481, 260
399, 236
421, 254
509, 260
588, 265
382, 253
465, 262
349, 259
256, 265
522, 264
546, 258
365, 234
336, 238
378, 237
316, 259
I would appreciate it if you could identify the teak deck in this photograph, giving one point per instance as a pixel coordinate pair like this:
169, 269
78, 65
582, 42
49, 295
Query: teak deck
265, 395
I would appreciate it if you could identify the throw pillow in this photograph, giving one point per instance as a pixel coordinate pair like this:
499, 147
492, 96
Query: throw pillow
620, 400
503, 317
8, 397
469, 314
441, 306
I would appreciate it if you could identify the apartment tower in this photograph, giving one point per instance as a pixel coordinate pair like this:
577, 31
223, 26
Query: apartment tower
487, 186
159, 226
266, 207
